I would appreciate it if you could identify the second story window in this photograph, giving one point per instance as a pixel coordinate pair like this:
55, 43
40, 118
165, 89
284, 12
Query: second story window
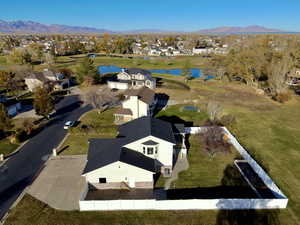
150, 150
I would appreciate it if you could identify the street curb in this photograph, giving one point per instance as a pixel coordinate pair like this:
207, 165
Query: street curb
14, 152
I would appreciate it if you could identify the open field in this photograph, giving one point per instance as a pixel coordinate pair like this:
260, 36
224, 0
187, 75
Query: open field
137, 62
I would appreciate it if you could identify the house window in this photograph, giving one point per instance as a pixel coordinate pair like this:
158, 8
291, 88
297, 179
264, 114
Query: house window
167, 171
148, 83
156, 150
150, 150
144, 150
102, 180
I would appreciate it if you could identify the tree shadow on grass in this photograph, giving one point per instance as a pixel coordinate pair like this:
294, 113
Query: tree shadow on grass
233, 177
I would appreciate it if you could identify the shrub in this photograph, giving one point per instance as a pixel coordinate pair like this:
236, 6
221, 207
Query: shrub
20, 135
213, 141
282, 97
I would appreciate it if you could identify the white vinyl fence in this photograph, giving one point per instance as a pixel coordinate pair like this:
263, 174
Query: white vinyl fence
196, 204
189, 204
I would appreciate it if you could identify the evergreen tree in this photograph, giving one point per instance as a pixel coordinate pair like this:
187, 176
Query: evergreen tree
86, 70
43, 102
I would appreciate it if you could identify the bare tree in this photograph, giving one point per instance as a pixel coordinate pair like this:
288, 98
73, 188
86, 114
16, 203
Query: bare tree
278, 71
213, 141
100, 99
214, 111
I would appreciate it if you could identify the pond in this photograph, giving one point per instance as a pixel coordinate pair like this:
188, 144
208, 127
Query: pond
191, 108
196, 72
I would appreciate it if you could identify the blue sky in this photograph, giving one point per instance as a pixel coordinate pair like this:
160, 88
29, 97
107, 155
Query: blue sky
181, 15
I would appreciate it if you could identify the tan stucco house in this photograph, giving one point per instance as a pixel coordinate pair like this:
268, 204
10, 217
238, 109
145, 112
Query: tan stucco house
133, 78
137, 103
144, 147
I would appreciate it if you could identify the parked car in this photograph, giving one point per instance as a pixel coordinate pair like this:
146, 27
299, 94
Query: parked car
69, 124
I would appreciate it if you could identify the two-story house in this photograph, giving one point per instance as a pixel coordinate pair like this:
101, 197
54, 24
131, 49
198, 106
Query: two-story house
144, 147
133, 78
137, 103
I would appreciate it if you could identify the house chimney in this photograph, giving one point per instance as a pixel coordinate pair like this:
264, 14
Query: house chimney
1, 157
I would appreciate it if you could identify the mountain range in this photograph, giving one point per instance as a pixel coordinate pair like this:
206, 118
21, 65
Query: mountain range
21, 26
248, 29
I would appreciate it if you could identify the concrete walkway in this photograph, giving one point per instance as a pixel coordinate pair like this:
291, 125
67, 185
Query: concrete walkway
60, 183
182, 164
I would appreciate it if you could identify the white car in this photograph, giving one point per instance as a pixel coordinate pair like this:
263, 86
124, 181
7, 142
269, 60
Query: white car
69, 124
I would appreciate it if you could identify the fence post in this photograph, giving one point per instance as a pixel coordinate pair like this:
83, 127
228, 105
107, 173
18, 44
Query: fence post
54, 152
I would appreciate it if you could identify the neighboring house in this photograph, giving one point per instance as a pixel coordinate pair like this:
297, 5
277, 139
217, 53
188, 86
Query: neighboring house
133, 78
294, 78
47, 77
53, 76
144, 147
137, 103
12, 106
3, 98
36, 79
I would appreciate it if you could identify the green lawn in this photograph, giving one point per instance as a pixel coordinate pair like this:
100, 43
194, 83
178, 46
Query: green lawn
6, 147
176, 114
155, 63
100, 126
204, 171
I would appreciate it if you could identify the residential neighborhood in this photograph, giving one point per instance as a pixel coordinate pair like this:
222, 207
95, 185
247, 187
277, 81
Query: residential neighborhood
151, 113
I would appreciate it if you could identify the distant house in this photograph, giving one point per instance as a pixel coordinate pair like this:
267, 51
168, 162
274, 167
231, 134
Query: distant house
145, 146
293, 79
47, 77
137, 103
133, 78
202, 50
35, 80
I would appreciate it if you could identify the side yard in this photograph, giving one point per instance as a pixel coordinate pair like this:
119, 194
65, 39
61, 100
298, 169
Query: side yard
92, 125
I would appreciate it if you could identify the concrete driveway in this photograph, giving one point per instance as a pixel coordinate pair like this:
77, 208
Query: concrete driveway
60, 183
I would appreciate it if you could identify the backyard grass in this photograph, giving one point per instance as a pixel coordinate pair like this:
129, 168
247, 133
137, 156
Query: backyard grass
31, 211
98, 126
176, 114
6, 147
204, 171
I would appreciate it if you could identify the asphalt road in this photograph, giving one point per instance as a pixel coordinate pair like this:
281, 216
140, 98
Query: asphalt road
20, 169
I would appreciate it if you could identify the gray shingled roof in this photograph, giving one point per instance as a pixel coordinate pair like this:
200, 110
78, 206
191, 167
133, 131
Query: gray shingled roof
103, 152
146, 126
150, 142
138, 70
145, 94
